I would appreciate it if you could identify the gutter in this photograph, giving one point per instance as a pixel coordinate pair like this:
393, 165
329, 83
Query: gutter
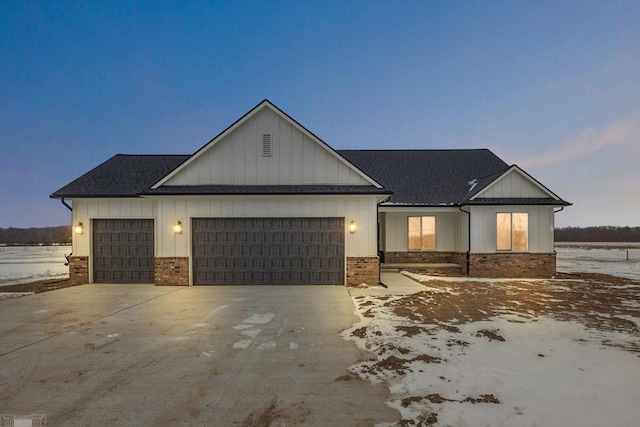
554, 237
468, 237
378, 228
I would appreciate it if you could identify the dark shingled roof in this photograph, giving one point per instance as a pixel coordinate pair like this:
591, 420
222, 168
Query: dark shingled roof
428, 177
122, 175
412, 177
266, 189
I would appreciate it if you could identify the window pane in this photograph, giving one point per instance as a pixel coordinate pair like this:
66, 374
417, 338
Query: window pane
414, 232
520, 231
428, 232
503, 236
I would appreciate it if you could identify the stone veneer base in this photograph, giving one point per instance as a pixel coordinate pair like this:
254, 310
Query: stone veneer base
518, 265
78, 270
363, 270
172, 271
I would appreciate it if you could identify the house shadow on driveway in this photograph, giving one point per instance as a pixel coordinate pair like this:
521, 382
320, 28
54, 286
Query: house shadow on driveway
146, 355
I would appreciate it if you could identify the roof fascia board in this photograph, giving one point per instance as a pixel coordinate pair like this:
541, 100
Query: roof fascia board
539, 205
385, 208
517, 169
223, 197
247, 116
88, 196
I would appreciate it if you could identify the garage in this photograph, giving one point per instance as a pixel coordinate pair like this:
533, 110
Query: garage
123, 251
256, 251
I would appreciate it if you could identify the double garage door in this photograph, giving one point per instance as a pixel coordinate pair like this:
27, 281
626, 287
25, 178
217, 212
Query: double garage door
227, 251
268, 251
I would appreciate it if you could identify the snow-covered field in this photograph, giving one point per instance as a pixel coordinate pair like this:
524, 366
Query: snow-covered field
23, 264
597, 258
505, 352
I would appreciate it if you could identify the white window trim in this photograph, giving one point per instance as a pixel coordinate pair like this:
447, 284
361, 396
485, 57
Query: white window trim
435, 234
511, 249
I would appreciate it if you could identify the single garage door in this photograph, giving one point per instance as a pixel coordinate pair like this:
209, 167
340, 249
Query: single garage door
123, 251
252, 251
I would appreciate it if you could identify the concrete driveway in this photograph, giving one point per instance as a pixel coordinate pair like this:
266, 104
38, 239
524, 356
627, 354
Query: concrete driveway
217, 356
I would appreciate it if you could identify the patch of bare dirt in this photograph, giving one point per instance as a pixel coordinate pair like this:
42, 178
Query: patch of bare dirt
410, 331
485, 398
492, 334
598, 301
398, 364
360, 332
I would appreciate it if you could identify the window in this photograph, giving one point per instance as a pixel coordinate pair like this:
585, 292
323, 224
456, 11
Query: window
512, 231
422, 232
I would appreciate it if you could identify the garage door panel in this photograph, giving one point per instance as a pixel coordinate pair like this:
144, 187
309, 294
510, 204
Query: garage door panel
123, 251
268, 250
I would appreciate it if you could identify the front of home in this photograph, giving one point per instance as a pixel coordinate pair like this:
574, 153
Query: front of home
268, 202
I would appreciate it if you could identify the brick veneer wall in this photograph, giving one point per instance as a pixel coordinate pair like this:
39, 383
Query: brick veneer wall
425, 257
172, 271
78, 270
363, 270
513, 265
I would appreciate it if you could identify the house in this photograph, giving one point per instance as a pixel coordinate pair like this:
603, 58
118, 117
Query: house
268, 202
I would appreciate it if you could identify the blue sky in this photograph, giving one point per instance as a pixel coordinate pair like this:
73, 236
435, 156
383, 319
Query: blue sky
551, 86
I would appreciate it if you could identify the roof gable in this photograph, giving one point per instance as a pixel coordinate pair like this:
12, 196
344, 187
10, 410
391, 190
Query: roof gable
513, 183
237, 156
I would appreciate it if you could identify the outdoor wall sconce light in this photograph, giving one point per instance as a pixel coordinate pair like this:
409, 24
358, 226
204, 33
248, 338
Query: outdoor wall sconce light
177, 228
352, 227
79, 228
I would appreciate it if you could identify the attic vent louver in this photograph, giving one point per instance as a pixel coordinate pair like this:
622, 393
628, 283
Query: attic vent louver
267, 147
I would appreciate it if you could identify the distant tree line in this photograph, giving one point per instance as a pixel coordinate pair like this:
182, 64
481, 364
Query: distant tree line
598, 234
62, 234
35, 236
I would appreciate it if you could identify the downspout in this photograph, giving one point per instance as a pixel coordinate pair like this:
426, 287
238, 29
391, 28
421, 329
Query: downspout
554, 231
378, 230
66, 204
468, 237
71, 209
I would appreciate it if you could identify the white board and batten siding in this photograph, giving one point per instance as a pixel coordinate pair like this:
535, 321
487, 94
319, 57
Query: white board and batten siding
237, 158
85, 210
450, 229
483, 227
361, 209
513, 185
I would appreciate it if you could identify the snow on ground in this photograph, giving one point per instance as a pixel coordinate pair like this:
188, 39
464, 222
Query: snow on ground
23, 264
601, 260
514, 353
